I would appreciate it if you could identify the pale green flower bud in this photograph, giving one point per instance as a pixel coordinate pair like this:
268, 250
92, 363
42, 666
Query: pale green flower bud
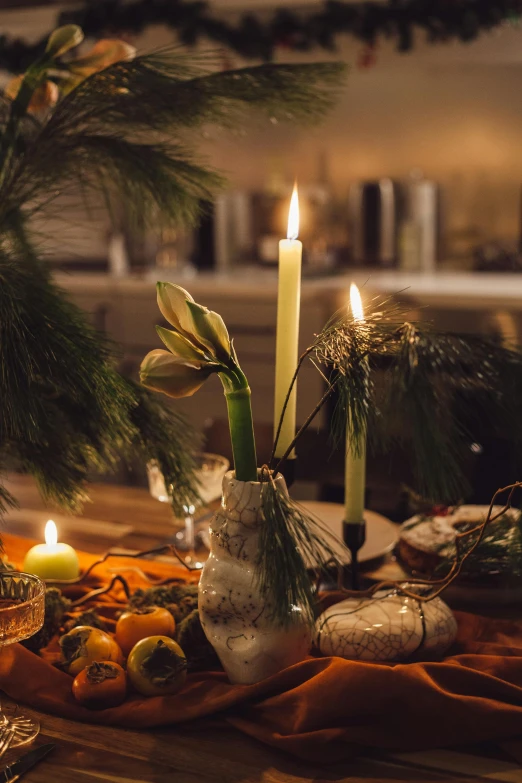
181, 346
210, 330
172, 302
63, 39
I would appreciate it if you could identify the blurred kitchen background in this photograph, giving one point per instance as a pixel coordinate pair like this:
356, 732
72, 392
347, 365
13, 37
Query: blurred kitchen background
411, 187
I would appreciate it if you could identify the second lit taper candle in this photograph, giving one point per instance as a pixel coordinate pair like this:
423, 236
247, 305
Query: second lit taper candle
355, 466
287, 340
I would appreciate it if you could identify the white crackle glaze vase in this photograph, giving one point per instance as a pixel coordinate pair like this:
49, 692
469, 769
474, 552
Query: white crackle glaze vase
235, 616
389, 626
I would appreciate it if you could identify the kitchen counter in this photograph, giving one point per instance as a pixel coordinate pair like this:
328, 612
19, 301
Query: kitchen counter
452, 290
125, 308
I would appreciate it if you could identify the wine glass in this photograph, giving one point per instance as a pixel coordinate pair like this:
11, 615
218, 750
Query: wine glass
209, 473
22, 610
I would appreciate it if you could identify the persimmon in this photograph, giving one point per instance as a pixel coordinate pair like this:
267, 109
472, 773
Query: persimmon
100, 685
84, 645
157, 666
139, 624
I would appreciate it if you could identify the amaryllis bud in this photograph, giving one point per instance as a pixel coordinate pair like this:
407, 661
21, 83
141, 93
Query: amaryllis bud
44, 97
180, 345
163, 372
210, 330
63, 39
104, 53
172, 302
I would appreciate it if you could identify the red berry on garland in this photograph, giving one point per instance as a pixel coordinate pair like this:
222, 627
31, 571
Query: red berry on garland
367, 57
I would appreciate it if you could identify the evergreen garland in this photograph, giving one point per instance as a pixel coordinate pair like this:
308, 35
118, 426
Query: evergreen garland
258, 36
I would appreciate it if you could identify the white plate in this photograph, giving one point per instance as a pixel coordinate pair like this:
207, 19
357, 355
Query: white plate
381, 534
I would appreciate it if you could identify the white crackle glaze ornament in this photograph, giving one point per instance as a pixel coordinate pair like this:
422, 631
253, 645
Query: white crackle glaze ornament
388, 626
235, 616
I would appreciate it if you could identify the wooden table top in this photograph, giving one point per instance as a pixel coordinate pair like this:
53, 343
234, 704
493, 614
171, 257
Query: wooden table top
203, 751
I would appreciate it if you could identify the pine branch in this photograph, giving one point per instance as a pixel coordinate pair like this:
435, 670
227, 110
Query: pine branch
164, 435
429, 372
7, 501
65, 410
154, 184
291, 541
127, 126
168, 90
422, 375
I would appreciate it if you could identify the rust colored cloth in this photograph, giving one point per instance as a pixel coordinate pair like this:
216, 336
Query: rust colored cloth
323, 707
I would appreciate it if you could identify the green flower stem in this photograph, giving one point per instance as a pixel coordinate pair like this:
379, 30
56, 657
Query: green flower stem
237, 394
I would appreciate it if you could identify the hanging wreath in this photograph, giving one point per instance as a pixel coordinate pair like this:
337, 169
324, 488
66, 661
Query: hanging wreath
256, 37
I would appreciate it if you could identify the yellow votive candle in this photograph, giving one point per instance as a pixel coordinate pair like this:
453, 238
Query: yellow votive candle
355, 465
52, 560
287, 339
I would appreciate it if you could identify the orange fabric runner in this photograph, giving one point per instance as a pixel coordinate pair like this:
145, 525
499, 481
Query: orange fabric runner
323, 707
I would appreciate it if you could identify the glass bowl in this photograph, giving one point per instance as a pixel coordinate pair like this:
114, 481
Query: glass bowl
22, 611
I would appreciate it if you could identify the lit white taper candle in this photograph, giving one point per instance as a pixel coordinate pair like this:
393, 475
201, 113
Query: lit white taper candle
287, 340
355, 466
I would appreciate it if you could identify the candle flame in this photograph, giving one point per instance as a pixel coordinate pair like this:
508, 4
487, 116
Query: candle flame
293, 215
356, 303
51, 533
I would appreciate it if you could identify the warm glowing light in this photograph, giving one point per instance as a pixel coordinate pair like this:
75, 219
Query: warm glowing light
51, 533
356, 303
293, 216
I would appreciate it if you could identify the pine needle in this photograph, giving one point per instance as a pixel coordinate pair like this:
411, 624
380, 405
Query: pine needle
65, 410
422, 376
291, 543
127, 132
163, 435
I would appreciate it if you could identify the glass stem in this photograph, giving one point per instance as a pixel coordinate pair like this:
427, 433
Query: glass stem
190, 539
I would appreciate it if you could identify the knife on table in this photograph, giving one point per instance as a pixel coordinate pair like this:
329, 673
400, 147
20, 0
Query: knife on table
15, 771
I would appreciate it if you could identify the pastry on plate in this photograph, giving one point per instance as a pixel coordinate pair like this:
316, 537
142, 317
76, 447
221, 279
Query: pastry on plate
427, 542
